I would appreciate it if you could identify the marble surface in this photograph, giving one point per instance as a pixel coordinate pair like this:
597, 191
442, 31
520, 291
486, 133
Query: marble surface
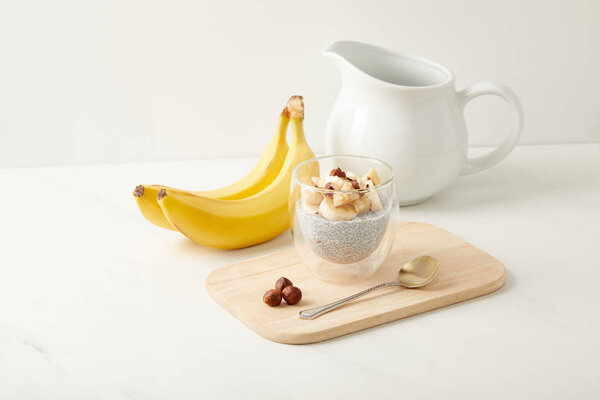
95, 303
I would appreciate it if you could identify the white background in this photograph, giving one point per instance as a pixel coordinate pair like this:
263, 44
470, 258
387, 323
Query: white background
115, 81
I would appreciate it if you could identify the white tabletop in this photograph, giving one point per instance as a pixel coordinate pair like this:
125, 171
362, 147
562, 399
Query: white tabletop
96, 303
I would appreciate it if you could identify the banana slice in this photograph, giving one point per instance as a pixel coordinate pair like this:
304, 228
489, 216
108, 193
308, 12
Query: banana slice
341, 213
351, 175
362, 183
311, 196
375, 200
320, 182
339, 199
374, 176
361, 205
336, 181
311, 207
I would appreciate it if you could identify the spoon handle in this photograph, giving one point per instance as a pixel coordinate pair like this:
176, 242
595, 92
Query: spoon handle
315, 312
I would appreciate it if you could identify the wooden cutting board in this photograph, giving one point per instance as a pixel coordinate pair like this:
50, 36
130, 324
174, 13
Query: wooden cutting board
465, 272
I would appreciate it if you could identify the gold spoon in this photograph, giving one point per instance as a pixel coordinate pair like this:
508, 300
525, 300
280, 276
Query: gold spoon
415, 273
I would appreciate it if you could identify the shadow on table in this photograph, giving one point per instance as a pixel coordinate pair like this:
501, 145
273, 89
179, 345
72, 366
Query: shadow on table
509, 184
281, 242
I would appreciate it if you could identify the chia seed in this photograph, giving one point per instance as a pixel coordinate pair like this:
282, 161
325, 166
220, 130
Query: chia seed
344, 242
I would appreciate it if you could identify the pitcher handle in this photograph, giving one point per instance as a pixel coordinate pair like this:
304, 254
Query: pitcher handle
480, 163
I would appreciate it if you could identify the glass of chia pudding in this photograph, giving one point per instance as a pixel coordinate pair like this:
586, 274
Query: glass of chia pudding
342, 211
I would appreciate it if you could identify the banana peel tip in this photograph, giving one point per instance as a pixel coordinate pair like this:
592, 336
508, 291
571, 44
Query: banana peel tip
138, 191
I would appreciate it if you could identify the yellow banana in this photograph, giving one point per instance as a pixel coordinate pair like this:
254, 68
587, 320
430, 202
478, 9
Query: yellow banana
232, 224
264, 172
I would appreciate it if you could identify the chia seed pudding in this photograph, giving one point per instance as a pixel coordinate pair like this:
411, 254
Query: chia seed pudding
344, 242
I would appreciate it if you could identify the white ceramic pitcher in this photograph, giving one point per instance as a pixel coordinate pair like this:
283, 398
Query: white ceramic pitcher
406, 111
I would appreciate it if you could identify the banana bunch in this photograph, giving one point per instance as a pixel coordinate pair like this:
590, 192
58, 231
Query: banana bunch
250, 211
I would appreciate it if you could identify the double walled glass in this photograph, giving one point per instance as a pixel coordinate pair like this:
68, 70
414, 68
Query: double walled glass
349, 242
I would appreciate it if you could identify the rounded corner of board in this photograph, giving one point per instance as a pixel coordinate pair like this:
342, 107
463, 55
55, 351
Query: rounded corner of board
500, 278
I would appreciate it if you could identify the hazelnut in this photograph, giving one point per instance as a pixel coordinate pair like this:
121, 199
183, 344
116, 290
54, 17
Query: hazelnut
272, 297
338, 172
292, 295
329, 186
355, 184
282, 283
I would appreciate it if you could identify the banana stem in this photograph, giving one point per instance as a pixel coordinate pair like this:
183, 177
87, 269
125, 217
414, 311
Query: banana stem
284, 120
294, 108
297, 131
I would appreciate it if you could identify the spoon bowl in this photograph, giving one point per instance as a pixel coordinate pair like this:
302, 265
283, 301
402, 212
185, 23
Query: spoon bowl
416, 273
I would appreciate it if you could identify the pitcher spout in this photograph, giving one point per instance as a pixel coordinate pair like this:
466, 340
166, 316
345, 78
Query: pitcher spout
335, 50
340, 53
376, 65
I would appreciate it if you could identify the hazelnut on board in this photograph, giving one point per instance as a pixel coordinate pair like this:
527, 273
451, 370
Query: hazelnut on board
272, 297
292, 295
282, 283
